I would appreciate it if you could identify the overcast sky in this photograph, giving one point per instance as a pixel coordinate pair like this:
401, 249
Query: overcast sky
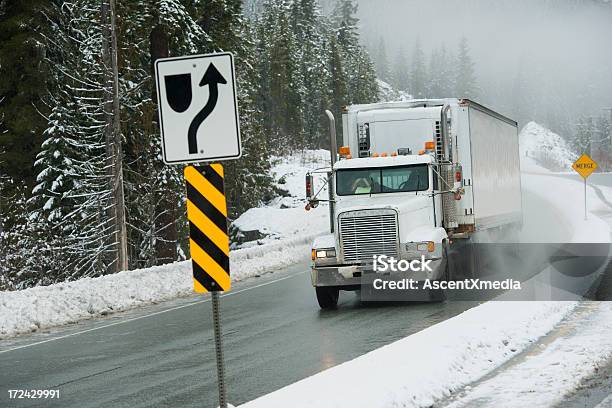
562, 47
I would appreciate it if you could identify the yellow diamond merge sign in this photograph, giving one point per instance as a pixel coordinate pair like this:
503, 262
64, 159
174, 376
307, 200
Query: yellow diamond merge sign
584, 166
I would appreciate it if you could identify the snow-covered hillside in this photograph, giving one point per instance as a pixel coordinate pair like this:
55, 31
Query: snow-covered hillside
285, 217
545, 147
390, 94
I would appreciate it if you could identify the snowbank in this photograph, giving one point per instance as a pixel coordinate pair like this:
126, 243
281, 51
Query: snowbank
574, 352
287, 230
46, 306
429, 365
547, 148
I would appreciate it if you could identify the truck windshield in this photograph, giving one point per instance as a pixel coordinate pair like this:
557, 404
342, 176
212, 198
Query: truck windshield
382, 180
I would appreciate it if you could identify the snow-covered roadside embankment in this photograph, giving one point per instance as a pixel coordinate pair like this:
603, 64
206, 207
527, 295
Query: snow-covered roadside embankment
286, 232
555, 368
46, 306
426, 366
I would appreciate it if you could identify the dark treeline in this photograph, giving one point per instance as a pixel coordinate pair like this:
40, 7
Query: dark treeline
58, 146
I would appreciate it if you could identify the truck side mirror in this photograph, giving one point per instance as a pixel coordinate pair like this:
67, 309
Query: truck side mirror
309, 185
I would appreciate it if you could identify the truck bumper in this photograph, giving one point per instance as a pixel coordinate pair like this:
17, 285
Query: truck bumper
351, 277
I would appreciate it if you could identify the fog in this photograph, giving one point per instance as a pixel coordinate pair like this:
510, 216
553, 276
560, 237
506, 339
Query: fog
548, 61
543, 60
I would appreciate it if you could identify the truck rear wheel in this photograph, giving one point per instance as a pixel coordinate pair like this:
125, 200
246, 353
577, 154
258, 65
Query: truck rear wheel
327, 297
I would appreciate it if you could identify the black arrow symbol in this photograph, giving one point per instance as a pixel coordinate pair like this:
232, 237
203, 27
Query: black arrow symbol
212, 77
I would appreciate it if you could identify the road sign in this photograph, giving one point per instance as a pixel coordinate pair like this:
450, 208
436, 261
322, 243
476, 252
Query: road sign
584, 166
198, 109
208, 239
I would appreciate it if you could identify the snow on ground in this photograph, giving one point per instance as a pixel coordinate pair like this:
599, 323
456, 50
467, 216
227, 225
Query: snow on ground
607, 402
566, 196
426, 366
607, 192
31, 309
285, 216
529, 165
288, 231
548, 373
389, 94
545, 147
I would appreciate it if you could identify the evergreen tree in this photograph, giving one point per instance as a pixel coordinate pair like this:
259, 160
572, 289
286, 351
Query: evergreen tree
23, 83
338, 84
465, 76
602, 146
311, 31
13, 234
583, 137
355, 61
232, 32
401, 71
364, 85
418, 74
157, 230
382, 63
434, 77
280, 89
300, 56
521, 95
446, 60
440, 74
16, 236
346, 24
70, 202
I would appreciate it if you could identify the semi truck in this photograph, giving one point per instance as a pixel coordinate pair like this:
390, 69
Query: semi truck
412, 180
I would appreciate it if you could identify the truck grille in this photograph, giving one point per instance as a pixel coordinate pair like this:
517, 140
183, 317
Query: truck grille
367, 233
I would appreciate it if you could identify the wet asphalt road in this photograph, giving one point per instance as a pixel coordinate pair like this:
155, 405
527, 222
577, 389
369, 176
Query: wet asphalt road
274, 334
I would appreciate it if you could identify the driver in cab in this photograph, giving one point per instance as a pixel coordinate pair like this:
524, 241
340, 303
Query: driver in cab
361, 186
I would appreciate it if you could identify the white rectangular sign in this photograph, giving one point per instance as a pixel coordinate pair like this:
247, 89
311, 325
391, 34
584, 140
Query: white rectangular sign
198, 109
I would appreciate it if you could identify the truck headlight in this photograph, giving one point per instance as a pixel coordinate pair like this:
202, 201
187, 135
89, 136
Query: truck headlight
428, 246
323, 253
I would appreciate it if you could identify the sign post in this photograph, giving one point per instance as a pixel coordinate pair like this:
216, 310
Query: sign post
198, 119
585, 166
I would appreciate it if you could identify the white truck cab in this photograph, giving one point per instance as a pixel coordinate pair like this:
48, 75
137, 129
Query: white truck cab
410, 176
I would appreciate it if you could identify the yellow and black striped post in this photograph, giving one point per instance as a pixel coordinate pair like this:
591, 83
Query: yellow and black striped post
209, 245
208, 239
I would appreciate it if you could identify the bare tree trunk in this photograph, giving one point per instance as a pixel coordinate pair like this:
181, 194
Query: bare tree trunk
108, 133
113, 137
165, 245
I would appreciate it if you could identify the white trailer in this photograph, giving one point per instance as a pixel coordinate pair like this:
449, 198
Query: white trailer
434, 170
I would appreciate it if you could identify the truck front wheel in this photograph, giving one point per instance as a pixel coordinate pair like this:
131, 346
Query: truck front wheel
327, 297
